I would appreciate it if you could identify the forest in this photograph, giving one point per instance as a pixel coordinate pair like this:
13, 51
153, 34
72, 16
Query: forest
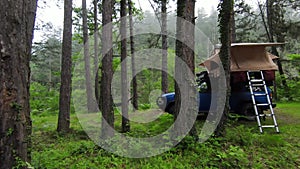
87, 95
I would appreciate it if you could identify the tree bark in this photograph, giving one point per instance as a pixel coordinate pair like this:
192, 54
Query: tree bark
107, 71
164, 73
96, 51
233, 28
16, 33
225, 20
66, 68
132, 50
123, 30
185, 52
88, 82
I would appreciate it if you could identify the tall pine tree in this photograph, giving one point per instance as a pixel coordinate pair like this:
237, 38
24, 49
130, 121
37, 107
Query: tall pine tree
16, 33
66, 71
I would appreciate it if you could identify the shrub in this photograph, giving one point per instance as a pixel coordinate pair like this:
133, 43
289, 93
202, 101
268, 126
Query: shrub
43, 100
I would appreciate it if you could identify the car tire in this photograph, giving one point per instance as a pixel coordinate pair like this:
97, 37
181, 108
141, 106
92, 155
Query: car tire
248, 111
171, 109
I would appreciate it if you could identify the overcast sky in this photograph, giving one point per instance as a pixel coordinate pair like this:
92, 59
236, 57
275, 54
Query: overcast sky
53, 13
206, 4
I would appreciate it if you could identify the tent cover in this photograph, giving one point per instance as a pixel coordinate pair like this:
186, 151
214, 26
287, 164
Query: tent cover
246, 56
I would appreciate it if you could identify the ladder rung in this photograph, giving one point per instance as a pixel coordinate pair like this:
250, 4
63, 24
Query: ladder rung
268, 126
263, 104
268, 115
256, 80
259, 94
257, 85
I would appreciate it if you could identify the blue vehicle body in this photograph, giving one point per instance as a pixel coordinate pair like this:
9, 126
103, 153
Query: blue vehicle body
237, 101
240, 101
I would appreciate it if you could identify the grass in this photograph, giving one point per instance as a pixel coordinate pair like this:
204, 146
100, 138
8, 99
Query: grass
242, 147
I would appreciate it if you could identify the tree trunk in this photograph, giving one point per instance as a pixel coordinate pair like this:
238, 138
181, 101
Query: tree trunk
264, 21
123, 30
66, 68
88, 83
164, 75
185, 52
225, 19
16, 33
107, 71
233, 28
132, 50
270, 20
96, 53
269, 4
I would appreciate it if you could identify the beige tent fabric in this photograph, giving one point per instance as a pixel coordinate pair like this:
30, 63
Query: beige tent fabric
244, 58
273, 57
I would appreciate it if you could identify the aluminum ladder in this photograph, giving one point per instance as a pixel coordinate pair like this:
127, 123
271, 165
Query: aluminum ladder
256, 79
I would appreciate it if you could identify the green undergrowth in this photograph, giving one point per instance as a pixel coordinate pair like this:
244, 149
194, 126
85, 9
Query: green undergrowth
242, 146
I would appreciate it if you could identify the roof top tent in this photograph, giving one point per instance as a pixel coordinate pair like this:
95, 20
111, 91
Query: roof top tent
251, 67
245, 57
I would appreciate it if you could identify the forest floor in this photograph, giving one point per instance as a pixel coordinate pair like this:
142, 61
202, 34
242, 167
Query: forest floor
242, 146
